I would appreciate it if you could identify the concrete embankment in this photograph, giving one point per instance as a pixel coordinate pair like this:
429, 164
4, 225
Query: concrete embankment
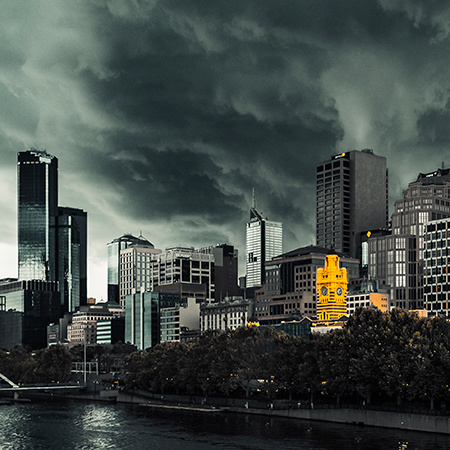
360, 417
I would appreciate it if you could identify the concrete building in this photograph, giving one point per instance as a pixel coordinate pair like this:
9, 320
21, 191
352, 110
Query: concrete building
264, 241
290, 289
184, 265
135, 269
110, 331
436, 274
184, 316
114, 248
230, 313
398, 259
84, 322
352, 197
357, 300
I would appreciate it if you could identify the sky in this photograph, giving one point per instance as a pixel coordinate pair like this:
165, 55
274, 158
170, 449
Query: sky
165, 114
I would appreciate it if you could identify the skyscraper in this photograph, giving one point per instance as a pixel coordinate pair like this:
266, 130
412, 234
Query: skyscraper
72, 257
264, 241
37, 188
352, 197
398, 259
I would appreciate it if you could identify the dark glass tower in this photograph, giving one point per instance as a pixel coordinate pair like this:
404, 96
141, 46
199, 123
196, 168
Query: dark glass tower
37, 178
72, 257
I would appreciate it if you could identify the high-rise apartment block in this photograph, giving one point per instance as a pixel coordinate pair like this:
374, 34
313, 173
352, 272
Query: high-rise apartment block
398, 259
352, 197
264, 241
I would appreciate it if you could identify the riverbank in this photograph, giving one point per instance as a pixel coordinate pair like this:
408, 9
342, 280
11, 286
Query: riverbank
359, 417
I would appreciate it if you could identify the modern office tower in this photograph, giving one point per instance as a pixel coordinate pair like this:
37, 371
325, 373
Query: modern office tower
436, 280
72, 257
397, 259
135, 270
184, 265
290, 288
39, 303
225, 272
114, 248
264, 241
331, 288
142, 317
352, 197
37, 188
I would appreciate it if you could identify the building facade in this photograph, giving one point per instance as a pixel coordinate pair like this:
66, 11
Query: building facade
264, 241
184, 265
38, 302
290, 289
184, 316
331, 288
142, 317
37, 208
230, 313
114, 248
398, 259
352, 197
135, 270
72, 257
436, 275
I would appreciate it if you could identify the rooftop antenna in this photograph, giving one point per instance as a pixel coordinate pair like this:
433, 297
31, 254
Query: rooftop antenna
253, 198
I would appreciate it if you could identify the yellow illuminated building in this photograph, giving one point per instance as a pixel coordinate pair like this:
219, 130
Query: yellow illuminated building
331, 285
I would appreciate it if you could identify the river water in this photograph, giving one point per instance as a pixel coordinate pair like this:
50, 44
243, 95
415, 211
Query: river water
78, 425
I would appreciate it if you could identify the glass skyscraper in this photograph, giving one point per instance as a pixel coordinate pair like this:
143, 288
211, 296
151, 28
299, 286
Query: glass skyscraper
37, 178
264, 241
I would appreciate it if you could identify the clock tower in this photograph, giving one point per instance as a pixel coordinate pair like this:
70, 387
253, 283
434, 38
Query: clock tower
331, 285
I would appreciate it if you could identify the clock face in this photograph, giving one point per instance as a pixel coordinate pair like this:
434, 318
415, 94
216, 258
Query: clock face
324, 291
339, 291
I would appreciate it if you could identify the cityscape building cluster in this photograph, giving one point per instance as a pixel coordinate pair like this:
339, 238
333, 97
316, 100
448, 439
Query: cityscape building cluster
361, 259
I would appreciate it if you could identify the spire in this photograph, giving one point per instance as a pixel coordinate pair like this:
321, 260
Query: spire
253, 198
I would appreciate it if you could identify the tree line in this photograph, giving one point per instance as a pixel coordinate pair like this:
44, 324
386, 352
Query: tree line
376, 357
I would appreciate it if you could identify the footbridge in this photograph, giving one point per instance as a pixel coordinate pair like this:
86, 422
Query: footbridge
17, 388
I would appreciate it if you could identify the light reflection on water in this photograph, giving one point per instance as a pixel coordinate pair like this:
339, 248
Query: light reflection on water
78, 425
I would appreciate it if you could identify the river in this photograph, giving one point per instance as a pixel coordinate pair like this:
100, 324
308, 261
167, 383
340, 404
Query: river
79, 425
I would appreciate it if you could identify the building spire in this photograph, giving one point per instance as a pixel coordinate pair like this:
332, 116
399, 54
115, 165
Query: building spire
253, 198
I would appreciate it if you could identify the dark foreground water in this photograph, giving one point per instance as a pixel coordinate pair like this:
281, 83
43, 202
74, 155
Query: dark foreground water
77, 425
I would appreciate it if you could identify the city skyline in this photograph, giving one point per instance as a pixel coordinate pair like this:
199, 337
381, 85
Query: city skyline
164, 117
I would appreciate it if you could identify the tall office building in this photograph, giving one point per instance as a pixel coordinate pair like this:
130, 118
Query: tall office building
352, 197
264, 241
398, 259
72, 257
114, 248
37, 188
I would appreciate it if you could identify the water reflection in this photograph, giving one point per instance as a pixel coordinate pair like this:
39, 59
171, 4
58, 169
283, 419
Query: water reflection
77, 425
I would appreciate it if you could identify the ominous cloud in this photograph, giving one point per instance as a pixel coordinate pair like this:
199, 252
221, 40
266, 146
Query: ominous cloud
165, 114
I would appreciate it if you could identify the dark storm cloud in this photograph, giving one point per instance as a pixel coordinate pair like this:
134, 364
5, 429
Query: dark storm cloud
165, 114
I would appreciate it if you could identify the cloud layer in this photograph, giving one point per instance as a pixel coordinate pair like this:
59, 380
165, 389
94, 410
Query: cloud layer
165, 114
